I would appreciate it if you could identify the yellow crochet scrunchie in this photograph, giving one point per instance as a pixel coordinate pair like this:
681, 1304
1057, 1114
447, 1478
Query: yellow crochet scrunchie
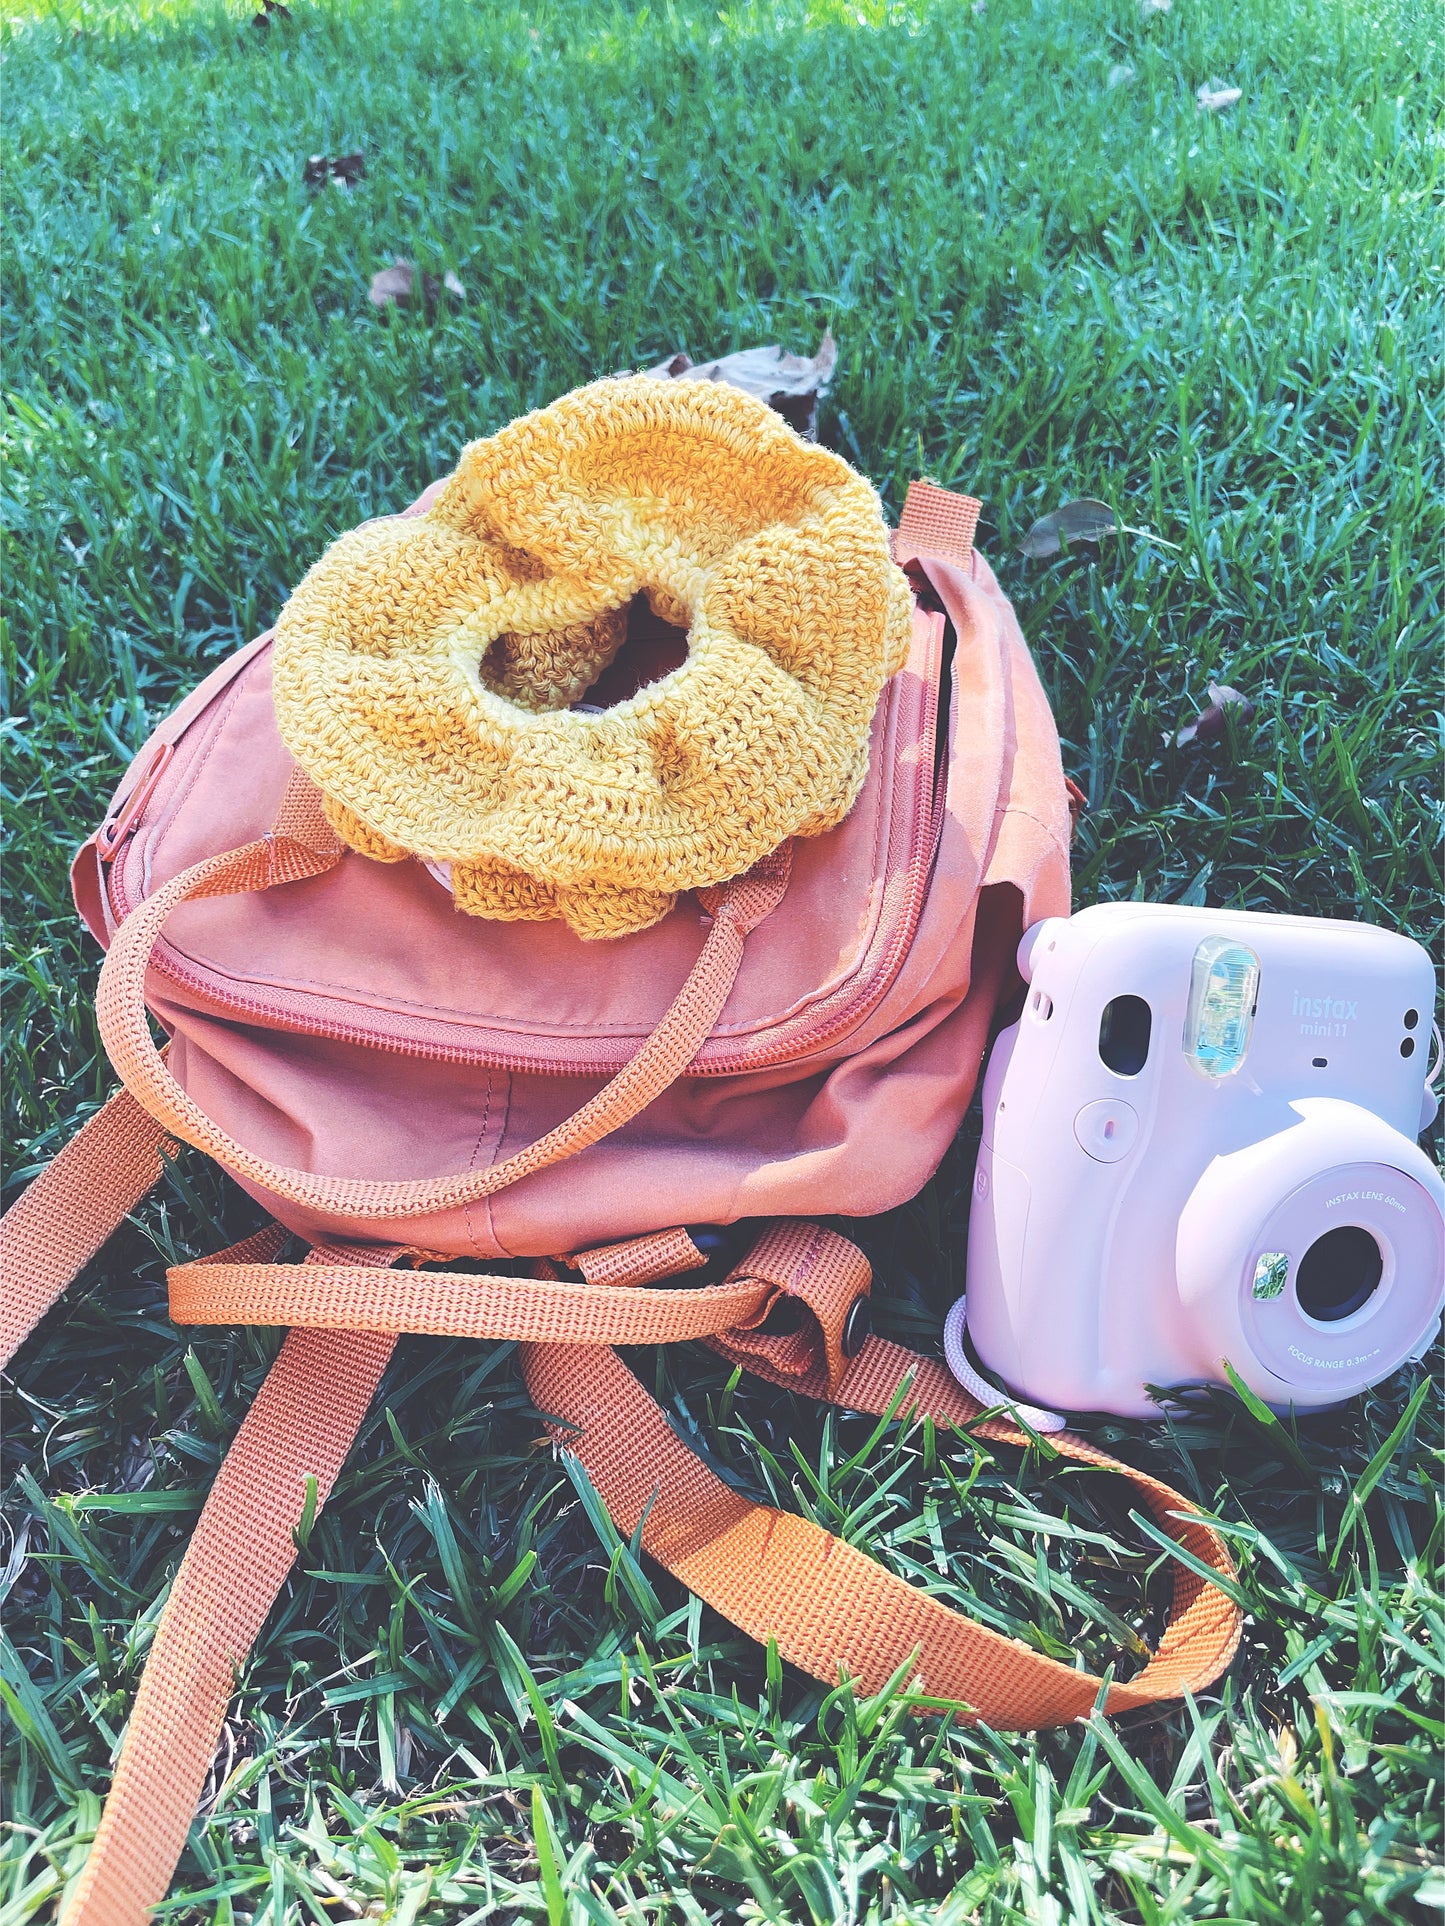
425, 668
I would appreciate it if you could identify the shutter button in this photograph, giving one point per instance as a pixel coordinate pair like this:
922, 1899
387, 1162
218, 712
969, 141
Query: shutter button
856, 1326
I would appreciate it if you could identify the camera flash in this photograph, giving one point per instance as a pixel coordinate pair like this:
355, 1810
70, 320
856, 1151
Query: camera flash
1222, 990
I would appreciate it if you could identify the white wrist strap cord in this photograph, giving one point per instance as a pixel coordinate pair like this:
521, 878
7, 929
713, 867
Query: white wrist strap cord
979, 1387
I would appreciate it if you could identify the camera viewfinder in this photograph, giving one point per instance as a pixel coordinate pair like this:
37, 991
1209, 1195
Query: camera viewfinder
1124, 1031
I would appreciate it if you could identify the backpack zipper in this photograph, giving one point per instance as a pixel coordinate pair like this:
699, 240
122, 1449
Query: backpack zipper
793, 1041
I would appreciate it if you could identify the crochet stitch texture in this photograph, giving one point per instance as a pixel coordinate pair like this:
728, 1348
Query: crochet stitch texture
425, 668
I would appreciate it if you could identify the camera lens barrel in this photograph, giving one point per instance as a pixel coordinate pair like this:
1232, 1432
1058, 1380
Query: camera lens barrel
1313, 1274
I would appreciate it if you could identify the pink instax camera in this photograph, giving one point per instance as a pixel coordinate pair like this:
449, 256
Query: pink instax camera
1199, 1146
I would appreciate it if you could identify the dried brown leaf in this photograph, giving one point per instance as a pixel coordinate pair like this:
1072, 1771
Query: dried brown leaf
392, 284
400, 283
137, 1463
790, 383
344, 169
1210, 724
1215, 98
1086, 520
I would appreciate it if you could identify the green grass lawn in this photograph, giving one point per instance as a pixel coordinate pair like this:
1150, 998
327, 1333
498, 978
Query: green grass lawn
1050, 275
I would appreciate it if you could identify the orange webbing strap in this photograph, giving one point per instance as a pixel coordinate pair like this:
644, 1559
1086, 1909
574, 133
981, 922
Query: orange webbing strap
1204, 1622
829, 1274
301, 1426
935, 521
222, 1290
829, 1607
87, 1190
303, 846
774, 1575
640, 1260
303, 1422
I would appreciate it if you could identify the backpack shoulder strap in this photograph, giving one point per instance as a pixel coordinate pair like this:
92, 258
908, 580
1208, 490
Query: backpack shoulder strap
302, 1425
830, 1608
83, 1195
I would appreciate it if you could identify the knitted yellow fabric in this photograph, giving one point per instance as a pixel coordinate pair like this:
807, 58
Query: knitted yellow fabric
425, 668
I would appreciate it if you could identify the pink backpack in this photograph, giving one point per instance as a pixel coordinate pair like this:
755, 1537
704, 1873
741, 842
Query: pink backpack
398, 1084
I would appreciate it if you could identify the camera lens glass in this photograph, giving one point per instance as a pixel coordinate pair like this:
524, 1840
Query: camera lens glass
1338, 1273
